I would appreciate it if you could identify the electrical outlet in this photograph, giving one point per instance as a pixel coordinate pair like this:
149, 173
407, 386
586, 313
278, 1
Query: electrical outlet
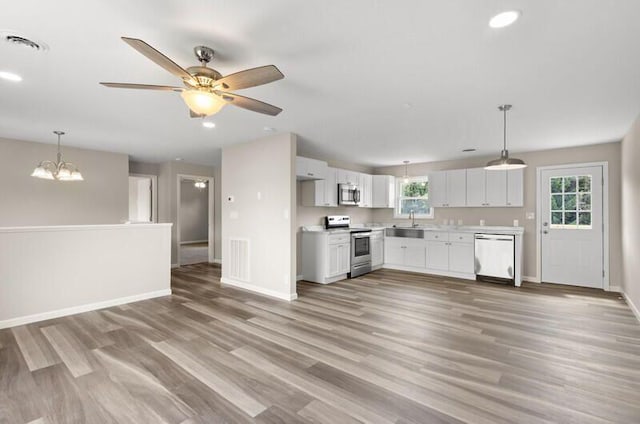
531, 215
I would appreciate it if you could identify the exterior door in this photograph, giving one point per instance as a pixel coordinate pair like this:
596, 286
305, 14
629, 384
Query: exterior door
572, 229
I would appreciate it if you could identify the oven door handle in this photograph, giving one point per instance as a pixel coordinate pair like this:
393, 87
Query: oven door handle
362, 235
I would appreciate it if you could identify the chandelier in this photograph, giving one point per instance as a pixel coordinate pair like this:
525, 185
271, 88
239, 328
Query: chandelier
58, 170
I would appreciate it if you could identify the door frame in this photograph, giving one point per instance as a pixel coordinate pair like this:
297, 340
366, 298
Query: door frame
210, 213
605, 215
154, 194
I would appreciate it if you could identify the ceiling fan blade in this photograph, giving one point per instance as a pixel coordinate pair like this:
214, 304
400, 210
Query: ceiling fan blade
141, 86
250, 78
195, 115
249, 103
159, 58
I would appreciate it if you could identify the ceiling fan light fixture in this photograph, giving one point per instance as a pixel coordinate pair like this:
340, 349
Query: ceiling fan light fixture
202, 102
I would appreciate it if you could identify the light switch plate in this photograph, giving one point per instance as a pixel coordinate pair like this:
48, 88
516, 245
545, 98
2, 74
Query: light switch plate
531, 215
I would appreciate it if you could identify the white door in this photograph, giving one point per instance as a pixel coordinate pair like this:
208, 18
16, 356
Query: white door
438, 189
457, 187
572, 226
394, 251
438, 255
334, 262
496, 188
461, 258
377, 250
476, 189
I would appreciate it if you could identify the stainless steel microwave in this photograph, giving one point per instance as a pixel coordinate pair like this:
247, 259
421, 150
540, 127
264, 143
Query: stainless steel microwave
348, 194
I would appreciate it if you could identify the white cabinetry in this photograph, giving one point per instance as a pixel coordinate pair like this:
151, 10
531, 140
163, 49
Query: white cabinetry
366, 190
310, 169
377, 249
325, 257
383, 191
348, 177
321, 192
495, 188
451, 253
448, 188
404, 252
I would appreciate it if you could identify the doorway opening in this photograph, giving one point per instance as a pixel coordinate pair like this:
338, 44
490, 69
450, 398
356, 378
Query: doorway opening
194, 223
143, 201
573, 236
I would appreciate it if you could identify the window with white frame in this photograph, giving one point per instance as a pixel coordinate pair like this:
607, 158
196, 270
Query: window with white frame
413, 196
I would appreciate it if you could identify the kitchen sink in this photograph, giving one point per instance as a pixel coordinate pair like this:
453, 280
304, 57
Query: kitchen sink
405, 232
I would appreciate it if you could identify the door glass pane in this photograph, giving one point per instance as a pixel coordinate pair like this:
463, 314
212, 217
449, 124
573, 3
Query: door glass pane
361, 246
569, 184
570, 202
570, 218
575, 196
556, 185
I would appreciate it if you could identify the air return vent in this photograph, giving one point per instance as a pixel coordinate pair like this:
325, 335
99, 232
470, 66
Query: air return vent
238, 262
23, 41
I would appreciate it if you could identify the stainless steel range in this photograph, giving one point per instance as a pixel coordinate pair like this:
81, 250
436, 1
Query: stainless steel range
360, 243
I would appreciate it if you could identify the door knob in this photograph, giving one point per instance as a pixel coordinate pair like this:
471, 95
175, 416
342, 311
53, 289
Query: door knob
545, 224
545, 232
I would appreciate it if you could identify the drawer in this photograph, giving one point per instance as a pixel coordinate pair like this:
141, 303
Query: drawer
461, 237
339, 238
436, 235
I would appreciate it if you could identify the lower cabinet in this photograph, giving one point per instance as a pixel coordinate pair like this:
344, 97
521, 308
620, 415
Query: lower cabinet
377, 249
338, 262
406, 252
451, 252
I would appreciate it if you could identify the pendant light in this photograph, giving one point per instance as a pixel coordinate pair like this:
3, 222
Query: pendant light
405, 177
200, 184
58, 170
505, 162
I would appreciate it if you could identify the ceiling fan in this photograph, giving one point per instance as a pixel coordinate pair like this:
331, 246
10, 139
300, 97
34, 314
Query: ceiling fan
205, 89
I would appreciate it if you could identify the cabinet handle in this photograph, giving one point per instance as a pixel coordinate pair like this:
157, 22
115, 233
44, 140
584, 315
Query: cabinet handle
310, 174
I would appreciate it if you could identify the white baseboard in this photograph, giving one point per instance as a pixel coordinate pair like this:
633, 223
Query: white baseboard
217, 261
299, 277
175, 266
257, 289
28, 319
530, 279
194, 241
633, 307
615, 289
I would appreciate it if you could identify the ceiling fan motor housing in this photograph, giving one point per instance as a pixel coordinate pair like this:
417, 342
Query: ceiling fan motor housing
205, 76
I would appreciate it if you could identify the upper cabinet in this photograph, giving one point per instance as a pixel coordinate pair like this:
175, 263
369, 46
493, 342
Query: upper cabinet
366, 190
384, 188
310, 169
321, 192
495, 188
348, 177
448, 188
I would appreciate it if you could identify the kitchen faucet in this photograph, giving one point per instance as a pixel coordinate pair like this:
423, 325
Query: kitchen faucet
412, 217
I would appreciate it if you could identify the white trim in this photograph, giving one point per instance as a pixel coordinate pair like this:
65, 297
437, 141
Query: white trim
605, 215
27, 319
217, 261
299, 277
399, 181
257, 289
615, 289
210, 212
146, 226
632, 306
175, 266
154, 193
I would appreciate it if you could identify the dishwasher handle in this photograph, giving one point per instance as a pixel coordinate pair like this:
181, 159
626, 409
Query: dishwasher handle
494, 237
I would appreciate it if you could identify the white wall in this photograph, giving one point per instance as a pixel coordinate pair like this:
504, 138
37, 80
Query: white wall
260, 177
98, 266
102, 198
194, 208
631, 215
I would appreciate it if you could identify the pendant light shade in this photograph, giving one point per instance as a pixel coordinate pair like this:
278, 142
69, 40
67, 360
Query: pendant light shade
505, 162
405, 177
58, 170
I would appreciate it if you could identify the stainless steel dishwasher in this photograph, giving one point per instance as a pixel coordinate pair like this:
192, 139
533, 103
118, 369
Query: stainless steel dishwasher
495, 256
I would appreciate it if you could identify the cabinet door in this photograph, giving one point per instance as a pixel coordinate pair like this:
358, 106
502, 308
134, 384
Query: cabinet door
438, 189
515, 187
457, 187
476, 187
438, 255
344, 258
461, 258
330, 186
415, 253
334, 261
383, 191
348, 177
377, 251
496, 188
393, 251
366, 187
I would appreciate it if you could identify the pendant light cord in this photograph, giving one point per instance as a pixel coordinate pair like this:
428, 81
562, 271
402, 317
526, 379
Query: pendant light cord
505, 129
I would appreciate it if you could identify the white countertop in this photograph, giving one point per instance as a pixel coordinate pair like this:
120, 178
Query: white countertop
430, 227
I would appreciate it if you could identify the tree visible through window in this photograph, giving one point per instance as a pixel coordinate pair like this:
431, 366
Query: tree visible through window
571, 202
413, 196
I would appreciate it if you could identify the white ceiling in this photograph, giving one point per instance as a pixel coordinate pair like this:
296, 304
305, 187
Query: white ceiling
569, 67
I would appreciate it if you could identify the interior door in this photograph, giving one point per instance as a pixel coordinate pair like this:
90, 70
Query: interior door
572, 226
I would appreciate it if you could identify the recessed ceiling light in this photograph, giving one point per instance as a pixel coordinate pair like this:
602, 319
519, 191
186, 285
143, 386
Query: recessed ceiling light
504, 19
269, 129
209, 124
10, 76
178, 159
468, 150
407, 105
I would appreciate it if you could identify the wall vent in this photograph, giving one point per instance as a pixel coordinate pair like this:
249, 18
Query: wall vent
23, 41
238, 259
